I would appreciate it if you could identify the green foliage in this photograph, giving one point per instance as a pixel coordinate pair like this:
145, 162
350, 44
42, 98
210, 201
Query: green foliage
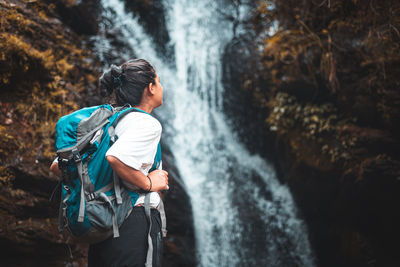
319, 124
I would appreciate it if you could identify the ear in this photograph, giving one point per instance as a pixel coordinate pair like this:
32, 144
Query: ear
151, 89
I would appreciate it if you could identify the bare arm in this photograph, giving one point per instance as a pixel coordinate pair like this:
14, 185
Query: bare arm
159, 178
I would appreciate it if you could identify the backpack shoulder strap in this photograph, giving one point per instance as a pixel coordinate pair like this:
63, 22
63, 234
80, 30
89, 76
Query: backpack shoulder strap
111, 133
123, 113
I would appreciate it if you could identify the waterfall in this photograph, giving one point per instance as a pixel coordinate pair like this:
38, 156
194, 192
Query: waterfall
242, 215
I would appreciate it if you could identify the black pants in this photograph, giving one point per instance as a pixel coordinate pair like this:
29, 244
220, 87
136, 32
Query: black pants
130, 248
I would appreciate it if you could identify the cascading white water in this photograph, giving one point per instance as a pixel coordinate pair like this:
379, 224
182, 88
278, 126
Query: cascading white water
242, 215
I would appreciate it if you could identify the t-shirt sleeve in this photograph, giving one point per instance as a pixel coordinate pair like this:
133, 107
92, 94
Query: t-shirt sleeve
136, 145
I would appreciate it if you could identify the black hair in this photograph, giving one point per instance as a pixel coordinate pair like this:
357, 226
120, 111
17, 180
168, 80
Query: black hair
128, 80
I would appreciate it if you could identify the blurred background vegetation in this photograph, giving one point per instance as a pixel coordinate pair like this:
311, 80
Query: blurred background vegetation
332, 70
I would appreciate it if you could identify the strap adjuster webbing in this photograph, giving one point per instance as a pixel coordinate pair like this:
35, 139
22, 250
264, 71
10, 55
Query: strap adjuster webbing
149, 257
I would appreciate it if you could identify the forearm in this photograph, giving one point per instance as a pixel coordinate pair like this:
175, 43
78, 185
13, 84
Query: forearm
129, 174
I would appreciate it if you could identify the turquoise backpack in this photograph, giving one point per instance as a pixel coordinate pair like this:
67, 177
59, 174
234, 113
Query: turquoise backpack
93, 204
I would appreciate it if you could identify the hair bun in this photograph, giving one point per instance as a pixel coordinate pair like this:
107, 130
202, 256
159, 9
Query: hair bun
116, 74
116, 70
110, 79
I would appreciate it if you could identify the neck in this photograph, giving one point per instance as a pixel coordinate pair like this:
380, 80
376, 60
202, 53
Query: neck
145, 107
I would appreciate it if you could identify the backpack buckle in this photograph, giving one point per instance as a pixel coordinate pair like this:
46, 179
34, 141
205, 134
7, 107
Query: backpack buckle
75, 155
90, 196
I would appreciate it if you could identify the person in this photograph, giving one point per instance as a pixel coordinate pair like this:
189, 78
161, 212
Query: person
135, 83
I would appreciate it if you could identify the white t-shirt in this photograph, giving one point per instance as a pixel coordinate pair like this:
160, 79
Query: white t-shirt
138, 137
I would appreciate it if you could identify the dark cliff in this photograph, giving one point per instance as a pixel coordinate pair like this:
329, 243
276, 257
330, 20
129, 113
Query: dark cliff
322, 94
46, 71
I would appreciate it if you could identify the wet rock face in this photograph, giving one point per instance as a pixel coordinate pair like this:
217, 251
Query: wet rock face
81, 16
241, 67
350, 217
179, 246
368, 199
29, 234
152, 16
242, 75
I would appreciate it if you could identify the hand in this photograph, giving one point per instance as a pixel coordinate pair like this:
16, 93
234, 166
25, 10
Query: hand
159, 180
55, 169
